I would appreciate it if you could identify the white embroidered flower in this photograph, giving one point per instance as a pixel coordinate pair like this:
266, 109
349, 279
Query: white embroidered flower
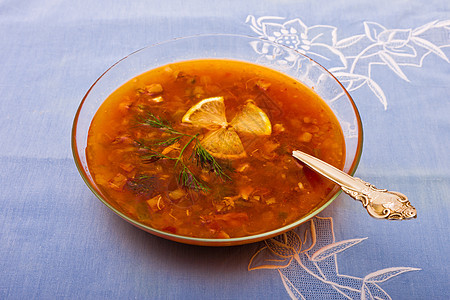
316, 42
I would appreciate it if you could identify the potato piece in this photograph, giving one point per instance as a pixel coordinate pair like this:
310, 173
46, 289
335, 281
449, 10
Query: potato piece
311, 128
256, 198
156, 203
233, 219
158, 99
223, 235
305, 137
118, 181
278, 128
126, 167
242, 167
177, 194
154, 89
270, 200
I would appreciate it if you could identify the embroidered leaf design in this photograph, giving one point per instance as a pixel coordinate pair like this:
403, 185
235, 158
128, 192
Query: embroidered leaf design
273, 30
395, 38
430, 46
335, 52
348, 292
265, 259
309, 236
365, 293
423, 28
443, 23
405, 51
376, 89
377, 292
390, 62
280, 248
385, 274
346, 77
260, 20
372, 30
335, 248
294, 241
347, 42
261, 47
254, 45
290, 288
251, 19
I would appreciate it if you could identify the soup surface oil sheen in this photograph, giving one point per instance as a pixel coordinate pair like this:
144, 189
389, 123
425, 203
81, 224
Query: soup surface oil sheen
203, 149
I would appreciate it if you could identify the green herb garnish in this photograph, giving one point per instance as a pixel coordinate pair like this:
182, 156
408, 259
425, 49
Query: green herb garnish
199, 155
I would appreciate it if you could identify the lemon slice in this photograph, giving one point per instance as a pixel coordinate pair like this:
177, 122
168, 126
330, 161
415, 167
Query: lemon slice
207, 113
251, 119
223, 140
224, 143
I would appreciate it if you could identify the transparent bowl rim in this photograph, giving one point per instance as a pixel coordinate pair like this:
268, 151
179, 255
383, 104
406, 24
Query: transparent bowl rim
207, 241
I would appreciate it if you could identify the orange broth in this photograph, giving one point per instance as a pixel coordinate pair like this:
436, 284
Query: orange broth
263, 191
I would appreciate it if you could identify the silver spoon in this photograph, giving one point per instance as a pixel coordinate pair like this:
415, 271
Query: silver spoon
381, 204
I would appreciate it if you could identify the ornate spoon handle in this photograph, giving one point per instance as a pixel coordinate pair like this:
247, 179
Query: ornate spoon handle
381, 204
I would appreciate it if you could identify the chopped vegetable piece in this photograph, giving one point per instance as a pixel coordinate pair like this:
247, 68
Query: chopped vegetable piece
118, 182
156, 203
154, 89
306, 137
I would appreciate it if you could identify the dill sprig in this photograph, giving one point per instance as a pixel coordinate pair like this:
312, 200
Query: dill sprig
152, 157
205, 160
168, 142
188, 179
154, 121
199, 154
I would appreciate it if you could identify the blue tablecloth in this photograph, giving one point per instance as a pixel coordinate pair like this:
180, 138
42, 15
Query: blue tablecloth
58, 241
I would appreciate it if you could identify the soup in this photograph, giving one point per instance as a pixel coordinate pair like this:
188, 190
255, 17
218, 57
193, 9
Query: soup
203, 148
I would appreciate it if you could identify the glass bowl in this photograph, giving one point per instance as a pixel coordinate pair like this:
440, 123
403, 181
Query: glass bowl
220, 46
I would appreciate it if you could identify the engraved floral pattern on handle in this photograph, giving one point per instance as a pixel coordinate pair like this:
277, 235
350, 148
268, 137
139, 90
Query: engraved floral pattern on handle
381, 203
